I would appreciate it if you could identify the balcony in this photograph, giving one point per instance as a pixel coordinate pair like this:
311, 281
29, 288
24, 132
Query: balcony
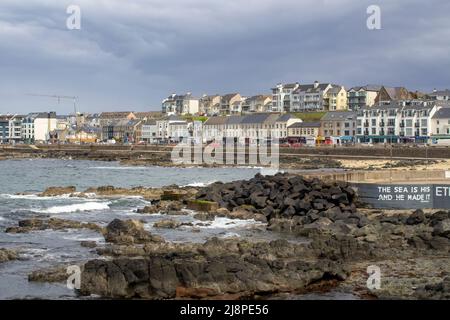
381, 124
366, 124
402, 124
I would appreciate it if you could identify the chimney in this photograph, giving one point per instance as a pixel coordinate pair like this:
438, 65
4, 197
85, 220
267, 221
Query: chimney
316, 84
434, 90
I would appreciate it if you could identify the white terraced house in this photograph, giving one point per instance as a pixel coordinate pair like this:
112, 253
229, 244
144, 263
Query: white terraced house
249, 128
397, 122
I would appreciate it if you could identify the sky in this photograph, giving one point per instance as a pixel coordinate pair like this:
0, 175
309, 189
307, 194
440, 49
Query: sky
129, 55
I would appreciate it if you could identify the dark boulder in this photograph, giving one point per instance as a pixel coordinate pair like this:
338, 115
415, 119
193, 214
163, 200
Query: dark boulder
417, 217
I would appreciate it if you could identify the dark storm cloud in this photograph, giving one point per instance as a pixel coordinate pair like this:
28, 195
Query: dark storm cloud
131, 54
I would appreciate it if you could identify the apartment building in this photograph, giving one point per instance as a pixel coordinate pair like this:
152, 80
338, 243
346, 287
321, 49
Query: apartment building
180, 104
361, 97
15, 128
319, 97
258, 104
339, 127
163, 127
282, 97
28, 127
4, 129
396, 122
10, 128
231, 104
210, 105
149, 131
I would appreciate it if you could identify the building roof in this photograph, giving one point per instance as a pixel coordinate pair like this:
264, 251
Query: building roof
148, 114
115, 115
150, 122
174, 96
305, 125
46, 115
435, 93
216, 120
234, 119
443, 113
287, 85
174, 117
229, 96
313, 88
285, 117
335, 89
255, 118
339, 115
369, 87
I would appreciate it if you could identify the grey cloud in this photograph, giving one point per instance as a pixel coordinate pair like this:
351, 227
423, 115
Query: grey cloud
131, 54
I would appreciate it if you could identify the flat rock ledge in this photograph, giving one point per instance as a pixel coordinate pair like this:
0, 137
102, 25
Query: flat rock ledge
217, 269
29, 225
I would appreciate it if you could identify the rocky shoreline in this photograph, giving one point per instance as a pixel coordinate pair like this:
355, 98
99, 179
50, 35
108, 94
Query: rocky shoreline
162, 158
341, 239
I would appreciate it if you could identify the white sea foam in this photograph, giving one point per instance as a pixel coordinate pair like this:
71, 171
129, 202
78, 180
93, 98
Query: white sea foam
78, 207
31, 197
36, 197
200, 184
80, 237
231, 235
118, 168
226, 223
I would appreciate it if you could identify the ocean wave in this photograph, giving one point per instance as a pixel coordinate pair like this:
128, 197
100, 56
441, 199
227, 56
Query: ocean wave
226, 223
80, 237
79, 207
119, 168
37, 197
200, 184
230, 235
